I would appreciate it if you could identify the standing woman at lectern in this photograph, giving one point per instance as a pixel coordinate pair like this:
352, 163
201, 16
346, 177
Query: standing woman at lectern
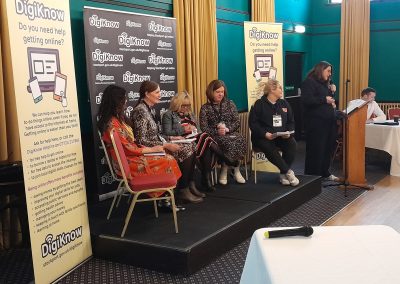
319, 120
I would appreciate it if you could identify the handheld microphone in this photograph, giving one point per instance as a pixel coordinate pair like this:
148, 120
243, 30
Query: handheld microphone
331, 83
304, 231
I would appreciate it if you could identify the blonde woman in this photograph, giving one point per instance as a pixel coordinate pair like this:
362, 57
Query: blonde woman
269, 115
179, 120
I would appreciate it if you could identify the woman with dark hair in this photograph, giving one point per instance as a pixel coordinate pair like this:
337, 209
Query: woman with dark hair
219, 118
147, 132
111, 115
319, 120
269, 115
180, 120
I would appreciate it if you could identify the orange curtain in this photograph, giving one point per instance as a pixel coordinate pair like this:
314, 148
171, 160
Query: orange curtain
197, 50
354, 48
263, 11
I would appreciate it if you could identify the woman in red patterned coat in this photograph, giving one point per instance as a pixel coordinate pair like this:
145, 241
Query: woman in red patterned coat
111, 115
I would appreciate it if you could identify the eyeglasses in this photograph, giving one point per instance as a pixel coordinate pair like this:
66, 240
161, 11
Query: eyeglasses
186, 106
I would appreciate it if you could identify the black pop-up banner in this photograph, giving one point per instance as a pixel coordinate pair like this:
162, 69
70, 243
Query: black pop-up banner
126, 49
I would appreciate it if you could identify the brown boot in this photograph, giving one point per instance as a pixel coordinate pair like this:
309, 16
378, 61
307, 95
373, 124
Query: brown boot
186, 196
193, 189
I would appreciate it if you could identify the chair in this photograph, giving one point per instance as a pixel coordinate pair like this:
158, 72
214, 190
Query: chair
120, 189
392, 112
143, 184
254, 153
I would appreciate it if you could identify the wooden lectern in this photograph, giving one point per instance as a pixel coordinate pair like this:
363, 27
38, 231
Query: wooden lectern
354, 143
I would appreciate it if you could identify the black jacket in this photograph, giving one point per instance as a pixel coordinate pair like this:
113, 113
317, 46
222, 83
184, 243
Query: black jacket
313, 94
260, 117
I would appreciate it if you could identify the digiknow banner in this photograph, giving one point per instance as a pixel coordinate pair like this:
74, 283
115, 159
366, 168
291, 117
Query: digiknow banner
39, 43
264, 60
126, 49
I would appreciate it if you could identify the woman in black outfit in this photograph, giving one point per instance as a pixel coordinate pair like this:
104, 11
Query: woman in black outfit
319, 120
270, 115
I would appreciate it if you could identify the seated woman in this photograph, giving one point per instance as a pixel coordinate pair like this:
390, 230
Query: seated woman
147, 132
220, 119
180, 120
111, 115
269, 116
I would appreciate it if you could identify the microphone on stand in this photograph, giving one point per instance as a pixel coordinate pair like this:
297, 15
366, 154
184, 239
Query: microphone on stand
304, 231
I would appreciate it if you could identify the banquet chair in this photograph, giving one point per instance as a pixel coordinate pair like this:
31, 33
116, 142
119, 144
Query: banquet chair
120, 189
392, 112
138, 185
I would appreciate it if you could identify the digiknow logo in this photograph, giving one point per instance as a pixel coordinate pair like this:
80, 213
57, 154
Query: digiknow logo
53, 244
99, 23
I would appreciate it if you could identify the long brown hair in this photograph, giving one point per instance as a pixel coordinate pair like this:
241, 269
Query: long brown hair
316, 71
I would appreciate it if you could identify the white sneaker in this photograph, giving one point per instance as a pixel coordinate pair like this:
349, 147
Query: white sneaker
283, 180
333, 178
238, 175
293, 180
223, 175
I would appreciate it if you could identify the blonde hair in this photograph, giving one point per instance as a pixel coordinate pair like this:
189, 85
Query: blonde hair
269, 86
178, 100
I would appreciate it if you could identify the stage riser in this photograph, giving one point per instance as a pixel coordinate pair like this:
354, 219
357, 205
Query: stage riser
190, 260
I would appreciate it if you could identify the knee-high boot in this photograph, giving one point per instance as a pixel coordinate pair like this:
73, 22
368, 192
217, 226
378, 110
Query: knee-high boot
229, 162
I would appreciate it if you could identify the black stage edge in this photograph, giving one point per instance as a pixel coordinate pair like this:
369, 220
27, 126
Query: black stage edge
226, 218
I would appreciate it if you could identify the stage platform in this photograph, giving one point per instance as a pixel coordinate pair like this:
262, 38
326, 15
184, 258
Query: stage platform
227, 217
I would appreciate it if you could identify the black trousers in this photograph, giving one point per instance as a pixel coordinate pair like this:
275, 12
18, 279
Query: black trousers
271, 149
320, 144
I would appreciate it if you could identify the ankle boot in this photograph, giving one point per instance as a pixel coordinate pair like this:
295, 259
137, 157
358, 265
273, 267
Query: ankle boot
186, 196
238, 175
193, 189
223, 175
206, 182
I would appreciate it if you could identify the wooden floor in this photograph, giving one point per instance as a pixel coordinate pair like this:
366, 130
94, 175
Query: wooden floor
380, 206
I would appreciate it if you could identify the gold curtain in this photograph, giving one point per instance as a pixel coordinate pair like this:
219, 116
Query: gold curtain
9, 137
354, 48
197, 50
263, 11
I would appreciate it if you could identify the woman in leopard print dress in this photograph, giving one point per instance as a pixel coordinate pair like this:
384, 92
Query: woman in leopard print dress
147, 132
219, 118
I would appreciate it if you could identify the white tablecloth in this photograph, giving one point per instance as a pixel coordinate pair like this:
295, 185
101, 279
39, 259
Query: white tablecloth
333, 254
385, 138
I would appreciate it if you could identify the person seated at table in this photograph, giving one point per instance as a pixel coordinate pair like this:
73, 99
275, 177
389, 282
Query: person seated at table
220, 119
111, 115
179, 120
271, 115
147, 132
374, 112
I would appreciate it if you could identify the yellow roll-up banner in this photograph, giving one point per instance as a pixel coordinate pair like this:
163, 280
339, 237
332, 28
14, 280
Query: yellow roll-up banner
39, 43
264, 60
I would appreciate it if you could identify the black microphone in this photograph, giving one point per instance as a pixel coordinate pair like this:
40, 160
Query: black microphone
304, 231
331, 83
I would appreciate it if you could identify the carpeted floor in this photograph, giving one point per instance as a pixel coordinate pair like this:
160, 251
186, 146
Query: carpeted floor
16, 265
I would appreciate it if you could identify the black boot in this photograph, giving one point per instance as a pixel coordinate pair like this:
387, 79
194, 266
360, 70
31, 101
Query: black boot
194, 190
206, 182
186, 196
214, 147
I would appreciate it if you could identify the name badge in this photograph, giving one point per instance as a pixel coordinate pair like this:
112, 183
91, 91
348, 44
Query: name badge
277, 121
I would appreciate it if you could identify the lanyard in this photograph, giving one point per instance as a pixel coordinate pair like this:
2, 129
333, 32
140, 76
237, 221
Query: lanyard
218, 113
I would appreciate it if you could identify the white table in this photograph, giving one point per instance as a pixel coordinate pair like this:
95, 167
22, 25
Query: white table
385, 138
333, 254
